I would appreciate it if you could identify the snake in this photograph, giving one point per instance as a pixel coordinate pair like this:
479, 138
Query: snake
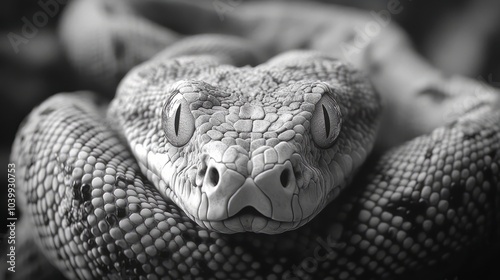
244, 142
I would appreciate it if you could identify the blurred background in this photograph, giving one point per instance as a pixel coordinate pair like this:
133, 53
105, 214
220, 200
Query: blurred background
459, 37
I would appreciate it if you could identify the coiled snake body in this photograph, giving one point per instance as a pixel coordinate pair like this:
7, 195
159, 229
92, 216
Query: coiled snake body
200, 169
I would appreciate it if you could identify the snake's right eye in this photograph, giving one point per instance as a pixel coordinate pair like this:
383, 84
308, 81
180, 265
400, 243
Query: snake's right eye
326, 122
177, 121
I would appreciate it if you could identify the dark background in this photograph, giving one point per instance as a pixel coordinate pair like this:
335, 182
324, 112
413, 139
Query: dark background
460, 37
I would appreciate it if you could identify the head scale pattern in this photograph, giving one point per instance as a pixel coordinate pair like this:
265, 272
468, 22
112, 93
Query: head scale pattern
259, 149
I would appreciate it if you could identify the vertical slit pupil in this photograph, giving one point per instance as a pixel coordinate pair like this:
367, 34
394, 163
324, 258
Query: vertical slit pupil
327, 121
177, 120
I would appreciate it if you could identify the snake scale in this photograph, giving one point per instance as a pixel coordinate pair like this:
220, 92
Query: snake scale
226, 156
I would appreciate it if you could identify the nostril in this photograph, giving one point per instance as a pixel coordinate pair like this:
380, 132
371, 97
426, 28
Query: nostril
213, 176
285, 176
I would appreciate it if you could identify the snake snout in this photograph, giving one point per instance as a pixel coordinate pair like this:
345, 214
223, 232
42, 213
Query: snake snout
270, 193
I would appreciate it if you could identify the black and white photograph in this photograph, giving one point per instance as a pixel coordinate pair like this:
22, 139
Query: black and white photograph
250, 139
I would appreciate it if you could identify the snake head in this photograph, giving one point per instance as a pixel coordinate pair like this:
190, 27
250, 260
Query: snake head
259, 149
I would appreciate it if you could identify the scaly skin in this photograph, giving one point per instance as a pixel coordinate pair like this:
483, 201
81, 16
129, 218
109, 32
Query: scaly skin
418, 211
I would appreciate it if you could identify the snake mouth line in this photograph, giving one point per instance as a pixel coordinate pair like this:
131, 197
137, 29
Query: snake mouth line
248, 210
248, 213
250, 220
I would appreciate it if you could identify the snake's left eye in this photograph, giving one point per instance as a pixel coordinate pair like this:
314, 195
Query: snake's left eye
326, 122
177, 121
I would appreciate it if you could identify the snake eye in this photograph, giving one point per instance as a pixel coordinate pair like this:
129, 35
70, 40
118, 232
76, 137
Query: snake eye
177, 121
326, 122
